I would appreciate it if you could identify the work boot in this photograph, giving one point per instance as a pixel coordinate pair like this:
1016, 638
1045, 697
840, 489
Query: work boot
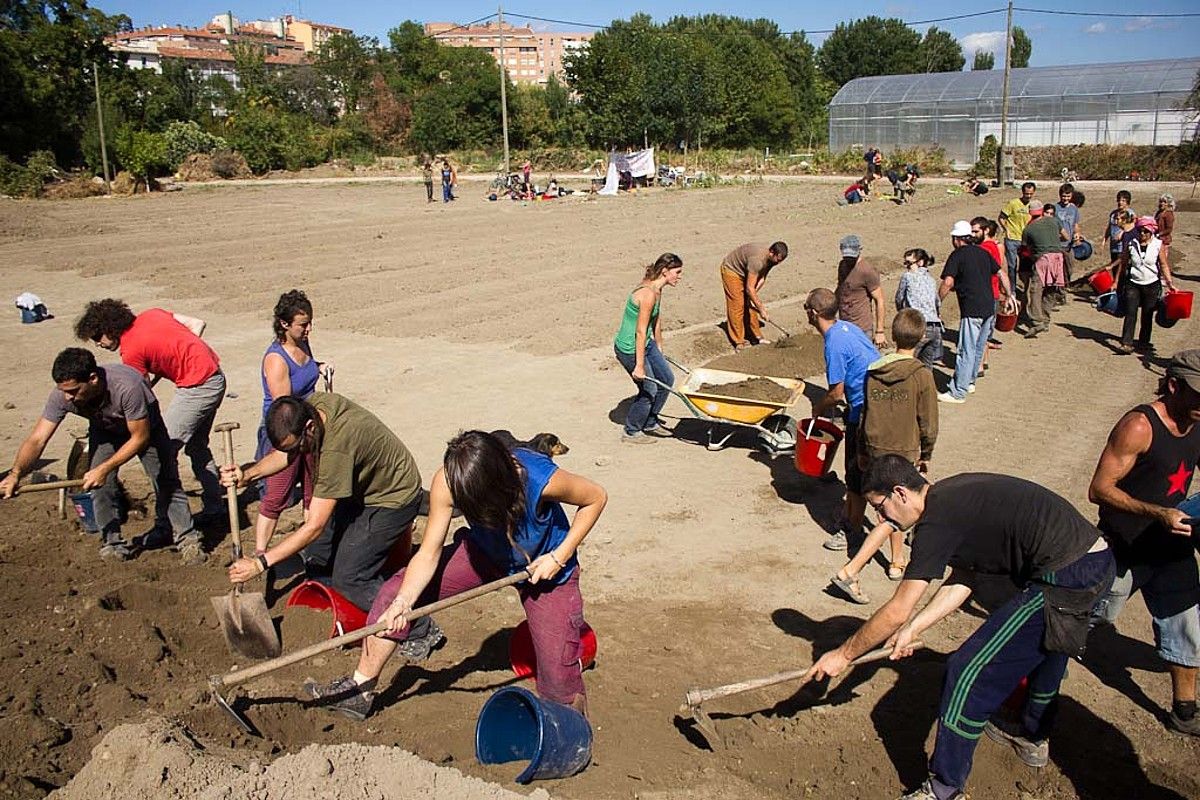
925, 792
190, 551
1190, 726
342, 695
1033, 754
418, 648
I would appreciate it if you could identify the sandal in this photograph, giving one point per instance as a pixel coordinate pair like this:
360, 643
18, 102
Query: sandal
896, 570
850, 589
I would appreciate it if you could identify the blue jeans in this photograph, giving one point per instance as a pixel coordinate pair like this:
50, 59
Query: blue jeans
446, 196
651, 397
972, 338
1012, 260
929, 349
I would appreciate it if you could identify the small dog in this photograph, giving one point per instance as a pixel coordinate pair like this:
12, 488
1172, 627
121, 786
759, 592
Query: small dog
545, 443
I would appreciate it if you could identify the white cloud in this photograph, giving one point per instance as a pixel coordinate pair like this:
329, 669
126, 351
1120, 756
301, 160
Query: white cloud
1139, 24
987, 41
1096, 27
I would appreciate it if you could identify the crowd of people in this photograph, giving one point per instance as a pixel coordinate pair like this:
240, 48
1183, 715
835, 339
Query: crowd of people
361, 490
1070, 574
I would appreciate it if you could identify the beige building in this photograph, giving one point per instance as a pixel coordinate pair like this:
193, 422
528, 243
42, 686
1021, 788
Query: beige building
530, 56
311, 34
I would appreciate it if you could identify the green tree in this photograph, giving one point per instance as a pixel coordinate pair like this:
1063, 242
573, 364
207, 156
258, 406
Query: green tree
1022, 47
983, 60
256, 84
347, 63
941, 52
870, 46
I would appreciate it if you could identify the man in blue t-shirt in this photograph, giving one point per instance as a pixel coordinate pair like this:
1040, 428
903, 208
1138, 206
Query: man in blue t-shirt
1068, 219
848, 354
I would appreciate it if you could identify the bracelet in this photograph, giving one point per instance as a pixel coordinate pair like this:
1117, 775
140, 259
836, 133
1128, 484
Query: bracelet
261, 558
561, 565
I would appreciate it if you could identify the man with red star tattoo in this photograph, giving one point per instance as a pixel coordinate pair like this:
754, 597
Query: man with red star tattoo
1144, 473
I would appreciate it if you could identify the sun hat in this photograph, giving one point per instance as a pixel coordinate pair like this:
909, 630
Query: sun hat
850, 246
961, 229
1185, 366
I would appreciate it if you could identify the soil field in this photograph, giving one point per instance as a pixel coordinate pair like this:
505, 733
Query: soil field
706, 567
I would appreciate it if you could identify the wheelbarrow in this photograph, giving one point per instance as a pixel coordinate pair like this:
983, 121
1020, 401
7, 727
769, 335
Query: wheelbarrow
726, 414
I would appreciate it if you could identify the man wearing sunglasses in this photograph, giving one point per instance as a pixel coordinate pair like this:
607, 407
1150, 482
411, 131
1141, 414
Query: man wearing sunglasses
985, 525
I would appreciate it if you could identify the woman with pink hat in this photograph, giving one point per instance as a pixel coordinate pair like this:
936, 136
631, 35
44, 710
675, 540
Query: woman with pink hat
1141, 275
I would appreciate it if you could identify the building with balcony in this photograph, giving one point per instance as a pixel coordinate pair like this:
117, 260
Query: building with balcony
530, 56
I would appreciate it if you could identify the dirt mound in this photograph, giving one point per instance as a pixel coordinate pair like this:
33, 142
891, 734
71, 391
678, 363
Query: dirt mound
749, 389
160, 759
73, 188
213, 166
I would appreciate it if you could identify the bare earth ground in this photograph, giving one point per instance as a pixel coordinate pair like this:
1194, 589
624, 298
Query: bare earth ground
707, 566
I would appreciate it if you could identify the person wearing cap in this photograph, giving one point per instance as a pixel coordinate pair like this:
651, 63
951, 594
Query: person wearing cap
858, 288
1141, 275
1013, 219
968, 273
1145, 471
1165, 218
1043, 242
743, 273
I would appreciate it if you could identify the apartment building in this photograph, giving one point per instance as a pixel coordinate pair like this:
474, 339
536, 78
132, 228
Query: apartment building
530, 56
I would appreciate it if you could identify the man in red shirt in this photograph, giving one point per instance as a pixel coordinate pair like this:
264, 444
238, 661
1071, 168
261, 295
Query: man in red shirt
159, 344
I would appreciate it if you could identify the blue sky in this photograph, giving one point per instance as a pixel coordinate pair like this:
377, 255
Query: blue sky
1056, 39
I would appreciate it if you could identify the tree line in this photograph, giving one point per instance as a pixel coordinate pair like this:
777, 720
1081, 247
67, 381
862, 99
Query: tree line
710, 81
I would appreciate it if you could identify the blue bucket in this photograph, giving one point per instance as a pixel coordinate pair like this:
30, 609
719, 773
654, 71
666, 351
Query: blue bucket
515, 725
85, 507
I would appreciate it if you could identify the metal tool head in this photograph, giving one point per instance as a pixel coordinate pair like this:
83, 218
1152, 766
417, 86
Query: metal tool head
246, 623
221, 427
704, 723
215, 685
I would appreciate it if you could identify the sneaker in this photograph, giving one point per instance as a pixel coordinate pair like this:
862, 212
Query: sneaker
637, 438
1033, 754
1180, 725
971, 389
925, 792
190, 551
836, 541
660, 430
418, 649
116, 550
343, 696
1033, 332
946, 397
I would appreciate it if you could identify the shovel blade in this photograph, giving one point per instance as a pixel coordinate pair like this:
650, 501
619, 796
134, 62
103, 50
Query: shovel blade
247, 625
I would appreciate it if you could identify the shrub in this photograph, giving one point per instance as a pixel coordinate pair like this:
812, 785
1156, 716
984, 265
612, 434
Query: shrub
988, 152
28, 180
144, 154
184, 138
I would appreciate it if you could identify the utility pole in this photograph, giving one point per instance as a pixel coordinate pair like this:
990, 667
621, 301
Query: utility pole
1004, 98
100, 122
503, 88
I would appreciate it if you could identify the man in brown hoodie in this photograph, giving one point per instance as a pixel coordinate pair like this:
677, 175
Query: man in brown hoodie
900, 417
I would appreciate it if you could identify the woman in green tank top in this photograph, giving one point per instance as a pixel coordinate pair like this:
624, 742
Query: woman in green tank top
636, 347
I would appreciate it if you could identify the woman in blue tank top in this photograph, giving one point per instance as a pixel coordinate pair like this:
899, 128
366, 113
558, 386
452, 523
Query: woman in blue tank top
513, 502
288, 368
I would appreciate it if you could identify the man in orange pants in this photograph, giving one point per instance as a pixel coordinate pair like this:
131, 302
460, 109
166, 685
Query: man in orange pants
743, 273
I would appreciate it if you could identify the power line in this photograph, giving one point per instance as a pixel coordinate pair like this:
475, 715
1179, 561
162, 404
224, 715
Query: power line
1103, 14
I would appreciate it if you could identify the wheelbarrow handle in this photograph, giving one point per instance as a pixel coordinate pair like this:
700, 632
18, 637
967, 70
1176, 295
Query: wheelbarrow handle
677, 364
305, 653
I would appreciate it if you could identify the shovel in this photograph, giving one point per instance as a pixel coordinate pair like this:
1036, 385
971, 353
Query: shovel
787, 340
218, 682
696, 697
244, 618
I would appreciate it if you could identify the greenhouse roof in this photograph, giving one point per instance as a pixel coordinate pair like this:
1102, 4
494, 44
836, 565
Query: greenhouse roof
1132, 77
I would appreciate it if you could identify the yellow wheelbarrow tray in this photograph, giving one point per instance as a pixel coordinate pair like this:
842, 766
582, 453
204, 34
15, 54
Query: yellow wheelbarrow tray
735, 411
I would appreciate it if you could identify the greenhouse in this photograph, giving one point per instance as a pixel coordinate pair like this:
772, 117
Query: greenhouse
1138, 102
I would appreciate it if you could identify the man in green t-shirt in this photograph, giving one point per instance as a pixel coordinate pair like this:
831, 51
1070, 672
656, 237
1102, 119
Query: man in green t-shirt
366, 493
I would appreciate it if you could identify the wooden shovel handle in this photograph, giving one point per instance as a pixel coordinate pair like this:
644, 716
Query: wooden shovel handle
305, 653
48, 486
697, 696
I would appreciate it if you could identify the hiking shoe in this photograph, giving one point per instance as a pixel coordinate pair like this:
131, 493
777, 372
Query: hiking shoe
925, 792
342, 695
116, 550
1033, 754
946, 397
1180, 725
190, 551
637, 438
418, 649
836, 541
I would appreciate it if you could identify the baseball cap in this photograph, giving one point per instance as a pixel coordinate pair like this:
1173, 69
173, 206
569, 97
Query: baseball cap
1034, 213
1148, 223
961, 229
850, 246
1185, 366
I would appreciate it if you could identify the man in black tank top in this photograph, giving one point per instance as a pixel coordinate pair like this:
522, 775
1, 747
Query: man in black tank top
1144, 473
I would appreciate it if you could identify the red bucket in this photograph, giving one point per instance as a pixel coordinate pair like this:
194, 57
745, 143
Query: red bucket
1101, 281
815, 453
347, 617
524, 660
1178, 305
1006, 322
